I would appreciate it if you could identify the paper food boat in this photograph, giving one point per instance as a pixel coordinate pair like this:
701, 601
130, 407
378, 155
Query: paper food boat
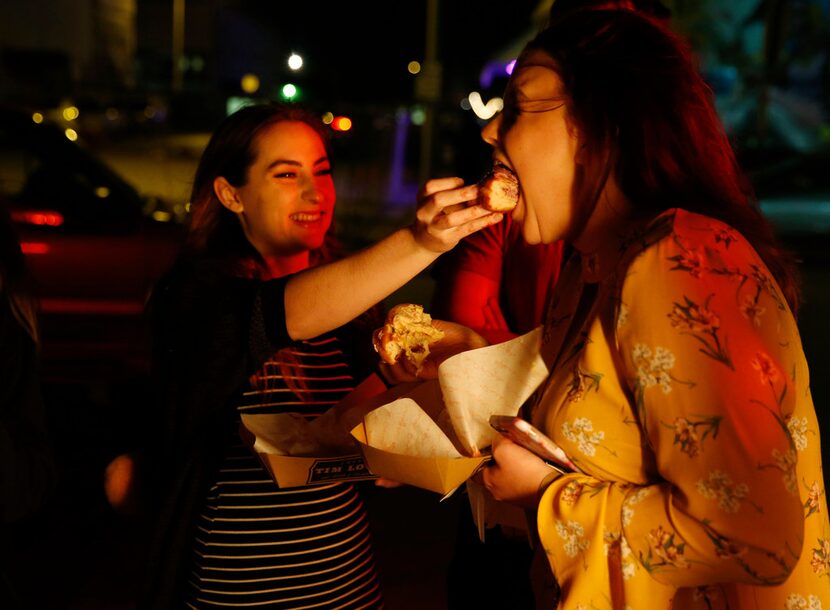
435, 434
297, 452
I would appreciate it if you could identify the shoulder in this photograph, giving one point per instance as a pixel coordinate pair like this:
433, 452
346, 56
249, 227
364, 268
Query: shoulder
686, 241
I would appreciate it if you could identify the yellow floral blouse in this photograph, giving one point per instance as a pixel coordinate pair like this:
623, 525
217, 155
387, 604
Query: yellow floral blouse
680, 389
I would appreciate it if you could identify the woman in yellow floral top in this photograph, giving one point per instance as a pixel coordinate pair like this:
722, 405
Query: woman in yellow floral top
678, 384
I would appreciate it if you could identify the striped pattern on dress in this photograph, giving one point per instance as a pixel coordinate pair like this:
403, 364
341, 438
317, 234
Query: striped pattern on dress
304, 547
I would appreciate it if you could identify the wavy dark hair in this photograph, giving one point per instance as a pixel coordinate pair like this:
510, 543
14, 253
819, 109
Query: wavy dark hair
213, 230
645, 115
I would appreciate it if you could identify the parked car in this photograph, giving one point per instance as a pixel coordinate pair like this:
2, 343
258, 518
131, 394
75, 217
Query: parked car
92, 246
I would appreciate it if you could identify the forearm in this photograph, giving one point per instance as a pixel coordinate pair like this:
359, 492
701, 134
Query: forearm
328, 296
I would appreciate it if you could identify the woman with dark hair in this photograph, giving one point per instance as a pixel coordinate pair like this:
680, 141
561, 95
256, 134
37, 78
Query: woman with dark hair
677, 385
227, 323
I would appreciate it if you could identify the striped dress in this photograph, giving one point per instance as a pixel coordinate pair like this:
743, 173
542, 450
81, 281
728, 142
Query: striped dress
303, 547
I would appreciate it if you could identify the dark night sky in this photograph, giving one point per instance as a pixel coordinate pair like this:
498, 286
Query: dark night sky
359, 50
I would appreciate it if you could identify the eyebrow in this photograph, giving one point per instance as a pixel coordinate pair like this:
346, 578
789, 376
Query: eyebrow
276, 162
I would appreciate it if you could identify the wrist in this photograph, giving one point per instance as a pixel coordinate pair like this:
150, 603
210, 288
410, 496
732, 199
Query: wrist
546, 482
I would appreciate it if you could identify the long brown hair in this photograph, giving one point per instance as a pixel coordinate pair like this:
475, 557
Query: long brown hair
214, 230
644, 113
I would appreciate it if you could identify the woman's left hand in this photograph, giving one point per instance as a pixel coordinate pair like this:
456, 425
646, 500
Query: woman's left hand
515, 474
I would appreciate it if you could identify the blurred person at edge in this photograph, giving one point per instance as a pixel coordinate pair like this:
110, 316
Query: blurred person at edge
497, 284
27, 473
244, 324
678, 384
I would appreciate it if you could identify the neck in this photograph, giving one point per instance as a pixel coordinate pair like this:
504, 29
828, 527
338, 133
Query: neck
610, 219
279, 266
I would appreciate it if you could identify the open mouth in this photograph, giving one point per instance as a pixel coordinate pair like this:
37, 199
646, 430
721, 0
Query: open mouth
499, 165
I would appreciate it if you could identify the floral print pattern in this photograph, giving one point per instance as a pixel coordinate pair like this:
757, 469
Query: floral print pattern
799, 602
682, 396
581, 432
689, 433
572, 533
728, 494
798, 432
820, 558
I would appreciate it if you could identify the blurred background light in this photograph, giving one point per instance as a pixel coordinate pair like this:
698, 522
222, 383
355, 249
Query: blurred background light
327, 118
485, 111
289, 91
71, 135
493, 70
341, 123
295, 62
249, 83
235, 102
418, 115
37, 117
414, 67
70, 113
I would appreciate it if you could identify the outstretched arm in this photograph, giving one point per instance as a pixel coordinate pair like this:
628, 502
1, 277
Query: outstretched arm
328, 296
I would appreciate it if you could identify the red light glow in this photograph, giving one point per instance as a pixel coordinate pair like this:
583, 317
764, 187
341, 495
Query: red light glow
33, 247
341, 123
40, 217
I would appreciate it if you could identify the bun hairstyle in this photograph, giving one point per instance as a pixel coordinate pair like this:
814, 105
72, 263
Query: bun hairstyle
644, 114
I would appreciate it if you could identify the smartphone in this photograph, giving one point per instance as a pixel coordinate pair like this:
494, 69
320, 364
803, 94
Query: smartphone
523, 433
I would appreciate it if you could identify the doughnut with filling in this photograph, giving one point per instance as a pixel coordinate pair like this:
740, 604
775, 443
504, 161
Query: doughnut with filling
498, 190
408, 332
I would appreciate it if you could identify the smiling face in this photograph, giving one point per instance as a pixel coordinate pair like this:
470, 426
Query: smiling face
534, 137
287, 203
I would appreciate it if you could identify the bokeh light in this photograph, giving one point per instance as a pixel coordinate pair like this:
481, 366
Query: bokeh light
418, 115
37, 117
485, 111
289, 91
327, 118
71, 135
249, 83
70, 113
414, 67
341, 123
295, 62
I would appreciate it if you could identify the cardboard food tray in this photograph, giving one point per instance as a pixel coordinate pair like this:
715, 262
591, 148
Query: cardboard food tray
297, 471
442, 435
439, 474
291, 471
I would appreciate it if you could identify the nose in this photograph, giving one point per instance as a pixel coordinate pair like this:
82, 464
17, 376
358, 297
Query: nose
490, 132
312, 192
